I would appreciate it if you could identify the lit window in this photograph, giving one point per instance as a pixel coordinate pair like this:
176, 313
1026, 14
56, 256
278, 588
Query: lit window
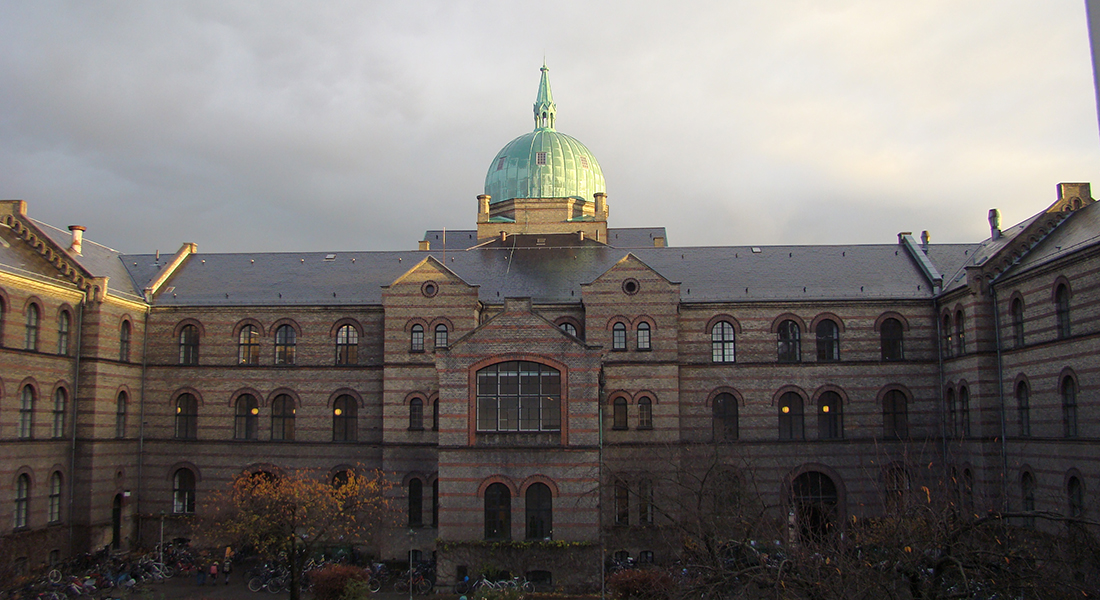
30, 341
518, 396
124, 341
724, 418
645, 413
187, 417
286, 341
618, 337
282, 418
960, 333
416, 339
791, 421
26, 413
892, 340
540, 512
59, 401
347, 345
246, 416
643, 337
498, 512
183, 492
830, 417
828, 341
248, 346
722, 343
440, 336
63, 322
789, 342
189, 345
947, 340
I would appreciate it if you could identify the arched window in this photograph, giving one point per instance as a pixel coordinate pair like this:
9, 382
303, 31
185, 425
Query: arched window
120, 415
189, 345
643, 337
26, 413
246, 416
183, 492
622, 503
22, 500
54, 508
619, 413
498, 512
830, 417
60, 399
518, 396
440, 336
791, 418
947, 340
540, 512
1023, 408
1061, 309
1075, 493
1018, 322
416, 503
30, 341
124, 335
645, 502
618, 337
814, 503
895, 415
828, 341
63, 323
789, 342
964, 412
897, 488
960, 333
724, 425
248, 346
286, 341
892, 340
722, 343
569, 328
416, 414
282, 418
952, 414
416, 338
347, 345
435, 415
645, 413
1069, 406
1027, 497
187, 417
344, 419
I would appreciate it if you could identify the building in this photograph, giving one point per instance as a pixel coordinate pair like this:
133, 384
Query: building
545, 375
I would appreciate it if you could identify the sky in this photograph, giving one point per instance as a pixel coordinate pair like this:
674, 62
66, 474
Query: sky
339, 126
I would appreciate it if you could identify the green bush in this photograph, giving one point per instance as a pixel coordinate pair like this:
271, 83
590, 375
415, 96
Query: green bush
330, 582
640, 584
502, 594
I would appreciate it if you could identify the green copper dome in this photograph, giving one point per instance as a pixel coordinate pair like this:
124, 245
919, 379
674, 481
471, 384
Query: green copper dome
544, 163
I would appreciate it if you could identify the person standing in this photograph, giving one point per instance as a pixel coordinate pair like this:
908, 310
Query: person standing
227, 566
214, 571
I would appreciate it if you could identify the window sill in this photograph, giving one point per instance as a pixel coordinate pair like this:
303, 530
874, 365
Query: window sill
645, 428
416, 352
619, 428
645, 349
415, 429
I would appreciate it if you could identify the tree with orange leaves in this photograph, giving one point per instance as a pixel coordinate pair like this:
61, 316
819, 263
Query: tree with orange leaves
291, 514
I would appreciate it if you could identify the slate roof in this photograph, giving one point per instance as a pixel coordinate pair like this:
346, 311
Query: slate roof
99, 260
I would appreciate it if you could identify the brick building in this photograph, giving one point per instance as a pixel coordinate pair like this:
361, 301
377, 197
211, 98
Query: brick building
544, 375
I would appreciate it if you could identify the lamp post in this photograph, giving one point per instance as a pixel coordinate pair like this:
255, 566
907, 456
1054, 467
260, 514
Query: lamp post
160, 547
412, 535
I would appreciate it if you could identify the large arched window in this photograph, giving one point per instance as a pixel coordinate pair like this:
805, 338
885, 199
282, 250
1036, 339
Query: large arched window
121, 404
789, 342
30, 340
1023, 408
964, 412
183, 491
187, 417
618, 411
540, 512
286, 342
53, 509
791, 417
518, 396
947, 340
440, 336
724, 425
618, 337
722, 343
960, 333
347, 345
1069, 407
895, 415
1075, 494
282, 418
189, 345
248, 346
416, 338
64, 322
246, 416
828, 341
897, 488
814, 502
124, 334
622, 503
645, 502
1017, 310
344, 419
952, 413
22, 501
830, 417
60, 400
643, 337
645, 413
892, 340
26, 413
416, 414
1061, 310
1027, 497
498, 512
416, 502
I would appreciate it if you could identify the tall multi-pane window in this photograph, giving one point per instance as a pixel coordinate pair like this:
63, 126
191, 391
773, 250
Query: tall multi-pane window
1069, 407
830, 417
724, 418
282, 418
416, 414
1061, 310
518, 396
645, 502
891, 339
1017, 310
187, 417
246, 415
643, 336
183, 491
895, 415
248, 346
30, 340
645, 413
540, 512
64, 322
1023, 408
22, 501
952, 413
60, 399
828, 341
53, 509
344, 419
416, 503
189, 345
498, 512
1075, 493
435, 415
286, 342
722, 343
619, 413
347, 345
622, 503
120, 415
791, 417
440, 336
26, 413
964, 412
416, 338
960, 333
947, 340
789, 342
618, 337
1027, 497
125, 332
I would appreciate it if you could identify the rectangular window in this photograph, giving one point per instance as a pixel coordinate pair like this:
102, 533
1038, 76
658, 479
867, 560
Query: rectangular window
540, 158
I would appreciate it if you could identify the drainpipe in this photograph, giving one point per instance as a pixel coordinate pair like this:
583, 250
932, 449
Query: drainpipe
141, 430
1001, 398
78, 338
600, 487
943, 383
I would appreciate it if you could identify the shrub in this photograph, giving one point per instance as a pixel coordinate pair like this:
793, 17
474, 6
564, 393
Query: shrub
329, 582
640, 584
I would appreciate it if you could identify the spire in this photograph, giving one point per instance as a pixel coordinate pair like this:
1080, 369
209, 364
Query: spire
545, 109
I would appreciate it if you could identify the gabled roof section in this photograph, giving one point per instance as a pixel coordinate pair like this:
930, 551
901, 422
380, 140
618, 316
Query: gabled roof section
628, 261
430, 262
518, 314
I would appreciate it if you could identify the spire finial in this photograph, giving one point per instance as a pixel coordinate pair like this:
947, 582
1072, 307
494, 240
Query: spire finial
545, 109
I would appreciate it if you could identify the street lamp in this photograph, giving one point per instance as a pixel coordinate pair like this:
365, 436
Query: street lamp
160, 548
412, 535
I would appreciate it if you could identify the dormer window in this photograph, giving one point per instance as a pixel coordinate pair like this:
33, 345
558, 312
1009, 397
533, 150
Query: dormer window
584, 162
500, 163
540, 158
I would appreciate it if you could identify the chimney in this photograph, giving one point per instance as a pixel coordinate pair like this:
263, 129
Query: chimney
994, 224
483, 208
924, 239
601, 206
78, 238
425, 245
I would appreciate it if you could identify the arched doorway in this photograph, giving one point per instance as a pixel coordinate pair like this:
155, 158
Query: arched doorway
116, 522
813, 507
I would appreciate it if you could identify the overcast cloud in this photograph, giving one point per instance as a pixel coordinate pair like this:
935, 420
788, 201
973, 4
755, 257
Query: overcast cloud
290, 126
